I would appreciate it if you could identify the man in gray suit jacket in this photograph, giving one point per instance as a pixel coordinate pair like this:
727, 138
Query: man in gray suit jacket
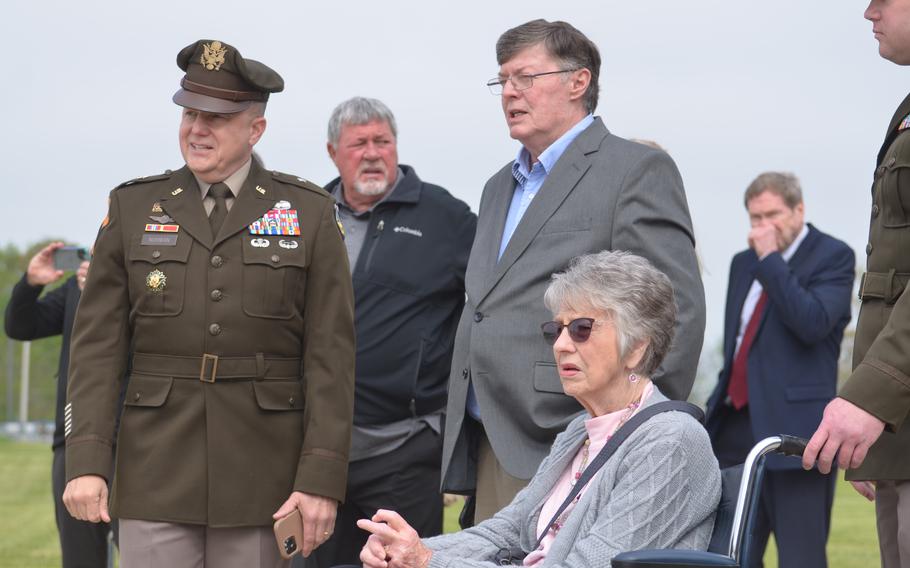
573, 189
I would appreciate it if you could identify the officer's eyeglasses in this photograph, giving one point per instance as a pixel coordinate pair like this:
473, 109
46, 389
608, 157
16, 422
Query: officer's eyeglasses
521, 82
579, 330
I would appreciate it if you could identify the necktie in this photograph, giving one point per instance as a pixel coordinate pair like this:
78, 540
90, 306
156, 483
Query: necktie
219, 191
738, 389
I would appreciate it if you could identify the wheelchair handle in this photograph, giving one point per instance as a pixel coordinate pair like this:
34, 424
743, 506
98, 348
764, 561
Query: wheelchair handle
783, 444
792, 445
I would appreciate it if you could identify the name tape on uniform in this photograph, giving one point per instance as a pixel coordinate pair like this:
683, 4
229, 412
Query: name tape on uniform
155, 239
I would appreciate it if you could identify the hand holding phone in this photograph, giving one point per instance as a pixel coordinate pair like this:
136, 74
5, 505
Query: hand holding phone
289, 534
70, 257
41, 270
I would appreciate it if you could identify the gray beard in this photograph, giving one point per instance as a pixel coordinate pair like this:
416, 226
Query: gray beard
371, 187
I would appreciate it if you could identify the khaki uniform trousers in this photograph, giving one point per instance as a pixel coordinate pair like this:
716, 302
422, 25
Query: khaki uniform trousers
148, 544
892, 511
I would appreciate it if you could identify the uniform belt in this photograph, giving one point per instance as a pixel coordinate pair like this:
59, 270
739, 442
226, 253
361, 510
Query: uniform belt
886, 286
210, 368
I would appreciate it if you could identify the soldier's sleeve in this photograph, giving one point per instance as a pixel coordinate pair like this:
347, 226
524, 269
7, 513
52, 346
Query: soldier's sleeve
328, 364
880, 383
98, 355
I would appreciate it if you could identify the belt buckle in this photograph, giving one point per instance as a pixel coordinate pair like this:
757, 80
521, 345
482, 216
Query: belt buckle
202, 373
862, 287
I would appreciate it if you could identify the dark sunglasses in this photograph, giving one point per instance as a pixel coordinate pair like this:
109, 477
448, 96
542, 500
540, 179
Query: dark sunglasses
579, 330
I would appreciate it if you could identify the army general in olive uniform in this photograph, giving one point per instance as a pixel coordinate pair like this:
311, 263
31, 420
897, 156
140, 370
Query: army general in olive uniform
873, 407
225, 290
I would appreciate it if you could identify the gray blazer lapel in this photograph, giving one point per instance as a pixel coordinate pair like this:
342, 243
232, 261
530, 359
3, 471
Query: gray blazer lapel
569, 170
490, 224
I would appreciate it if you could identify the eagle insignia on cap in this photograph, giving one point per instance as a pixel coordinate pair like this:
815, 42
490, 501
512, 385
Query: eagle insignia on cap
212, 55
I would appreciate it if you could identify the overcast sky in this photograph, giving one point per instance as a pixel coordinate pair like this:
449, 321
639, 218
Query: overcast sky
730, 89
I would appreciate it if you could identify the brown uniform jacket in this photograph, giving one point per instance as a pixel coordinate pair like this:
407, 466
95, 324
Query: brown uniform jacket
880, 383
276, 416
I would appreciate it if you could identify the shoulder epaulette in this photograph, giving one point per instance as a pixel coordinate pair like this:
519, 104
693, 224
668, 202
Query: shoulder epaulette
299, 182
146, 179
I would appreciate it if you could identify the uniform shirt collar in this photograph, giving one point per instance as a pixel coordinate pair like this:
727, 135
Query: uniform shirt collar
234, 181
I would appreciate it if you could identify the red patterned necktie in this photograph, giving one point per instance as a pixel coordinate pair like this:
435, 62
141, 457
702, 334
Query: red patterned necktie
738, 389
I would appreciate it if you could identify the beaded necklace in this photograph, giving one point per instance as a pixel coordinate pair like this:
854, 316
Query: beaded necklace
561, 520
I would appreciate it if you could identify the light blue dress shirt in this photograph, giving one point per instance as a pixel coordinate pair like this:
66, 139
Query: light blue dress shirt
530, 178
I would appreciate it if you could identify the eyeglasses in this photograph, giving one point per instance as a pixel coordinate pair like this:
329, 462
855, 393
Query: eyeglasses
579, 330
521, 82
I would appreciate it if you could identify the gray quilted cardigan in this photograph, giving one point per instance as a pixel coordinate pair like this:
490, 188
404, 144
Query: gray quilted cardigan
659, 490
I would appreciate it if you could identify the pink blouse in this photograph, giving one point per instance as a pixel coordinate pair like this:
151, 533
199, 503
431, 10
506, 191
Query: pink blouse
600, 429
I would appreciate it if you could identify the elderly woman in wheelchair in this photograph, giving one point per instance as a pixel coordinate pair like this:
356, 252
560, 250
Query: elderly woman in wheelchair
632, 471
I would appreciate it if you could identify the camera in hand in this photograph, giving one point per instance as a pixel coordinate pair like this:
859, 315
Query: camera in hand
290, 545
70, 257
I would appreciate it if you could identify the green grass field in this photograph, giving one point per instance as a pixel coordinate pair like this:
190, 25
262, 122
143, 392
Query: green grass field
30, 539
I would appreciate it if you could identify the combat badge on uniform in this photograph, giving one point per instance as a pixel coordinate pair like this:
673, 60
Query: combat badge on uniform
281, 222
156, 281
905, 124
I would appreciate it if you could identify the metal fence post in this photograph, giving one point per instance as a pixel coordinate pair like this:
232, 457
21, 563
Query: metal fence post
10, 381
23, 376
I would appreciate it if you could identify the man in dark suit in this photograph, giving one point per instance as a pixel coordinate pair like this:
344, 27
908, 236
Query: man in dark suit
30, 316
788, 302
573, 189
864, 428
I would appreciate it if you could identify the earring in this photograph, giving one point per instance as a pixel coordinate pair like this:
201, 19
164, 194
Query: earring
633, 378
